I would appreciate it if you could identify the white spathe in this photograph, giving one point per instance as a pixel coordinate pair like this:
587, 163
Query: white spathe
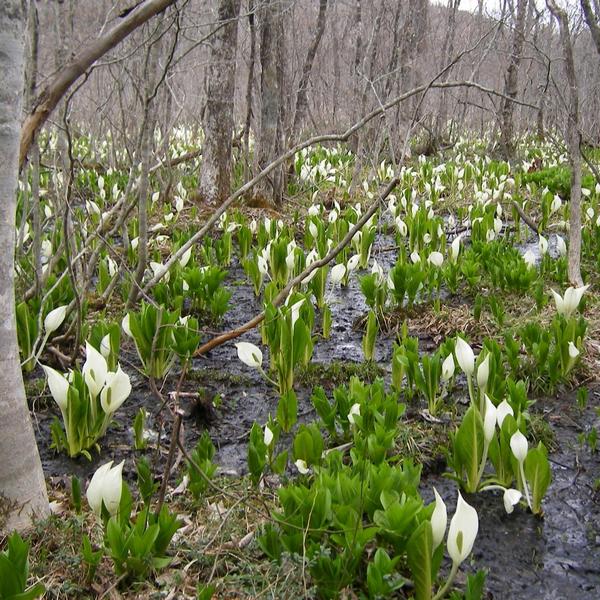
511, 499
268, 436
483, 372
465, 356
249, 354
116, 391
566, 305
94, 370
337, 273
502, 411
354, 411
59, 387
439, 520
489, 421
106, 486
54, 319
448, 367
463, 531
519, 446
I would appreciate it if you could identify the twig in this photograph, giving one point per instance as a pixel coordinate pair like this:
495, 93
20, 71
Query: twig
174, 443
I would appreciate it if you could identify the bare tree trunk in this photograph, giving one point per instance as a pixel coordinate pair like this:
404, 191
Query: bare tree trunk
249, 82
573, 136
447, 52
215, 169
146, 135
592, 22
511, 85
22, 487
302, 96
269, 143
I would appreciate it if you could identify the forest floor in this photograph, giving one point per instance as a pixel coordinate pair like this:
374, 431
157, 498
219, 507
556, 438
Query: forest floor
556, 556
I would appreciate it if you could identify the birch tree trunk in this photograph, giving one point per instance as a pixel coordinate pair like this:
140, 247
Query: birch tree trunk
215, 169
22, 487
573, 137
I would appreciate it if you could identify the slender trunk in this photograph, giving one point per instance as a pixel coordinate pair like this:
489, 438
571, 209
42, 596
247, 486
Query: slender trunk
144, 150
215, 169
592, 22
269, 142
22, 487
302, 96
447, 52
249, 84
573, 136
511, 86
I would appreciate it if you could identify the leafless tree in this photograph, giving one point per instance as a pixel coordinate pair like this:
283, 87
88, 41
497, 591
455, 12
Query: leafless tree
215, 169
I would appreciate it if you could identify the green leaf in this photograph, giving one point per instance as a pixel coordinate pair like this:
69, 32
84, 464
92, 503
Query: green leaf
419, 551
468, 449
287, 410
538, 474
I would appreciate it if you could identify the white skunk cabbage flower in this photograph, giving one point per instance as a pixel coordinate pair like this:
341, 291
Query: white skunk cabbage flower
448, 367
463, 531
54, 319
59, 387
439, 520
354, 411
249, 354
106, 486
502, 410
489, 421
511, 499
94, 370
436, 259
519, 446
125, 326
483, 372
302, 466
337, 273
465, 356
268, 436
566, 305
116, 390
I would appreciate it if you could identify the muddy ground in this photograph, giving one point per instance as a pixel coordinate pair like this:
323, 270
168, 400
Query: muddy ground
557, 557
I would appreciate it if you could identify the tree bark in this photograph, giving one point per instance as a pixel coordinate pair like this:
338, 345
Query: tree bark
447, 52
302, 96
64, 79
22, 487
249, 85
270, 138
511, 85
592, 22
573, 136
215, 169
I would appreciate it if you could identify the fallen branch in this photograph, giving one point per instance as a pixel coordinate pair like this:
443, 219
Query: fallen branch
526, 218
283, 294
